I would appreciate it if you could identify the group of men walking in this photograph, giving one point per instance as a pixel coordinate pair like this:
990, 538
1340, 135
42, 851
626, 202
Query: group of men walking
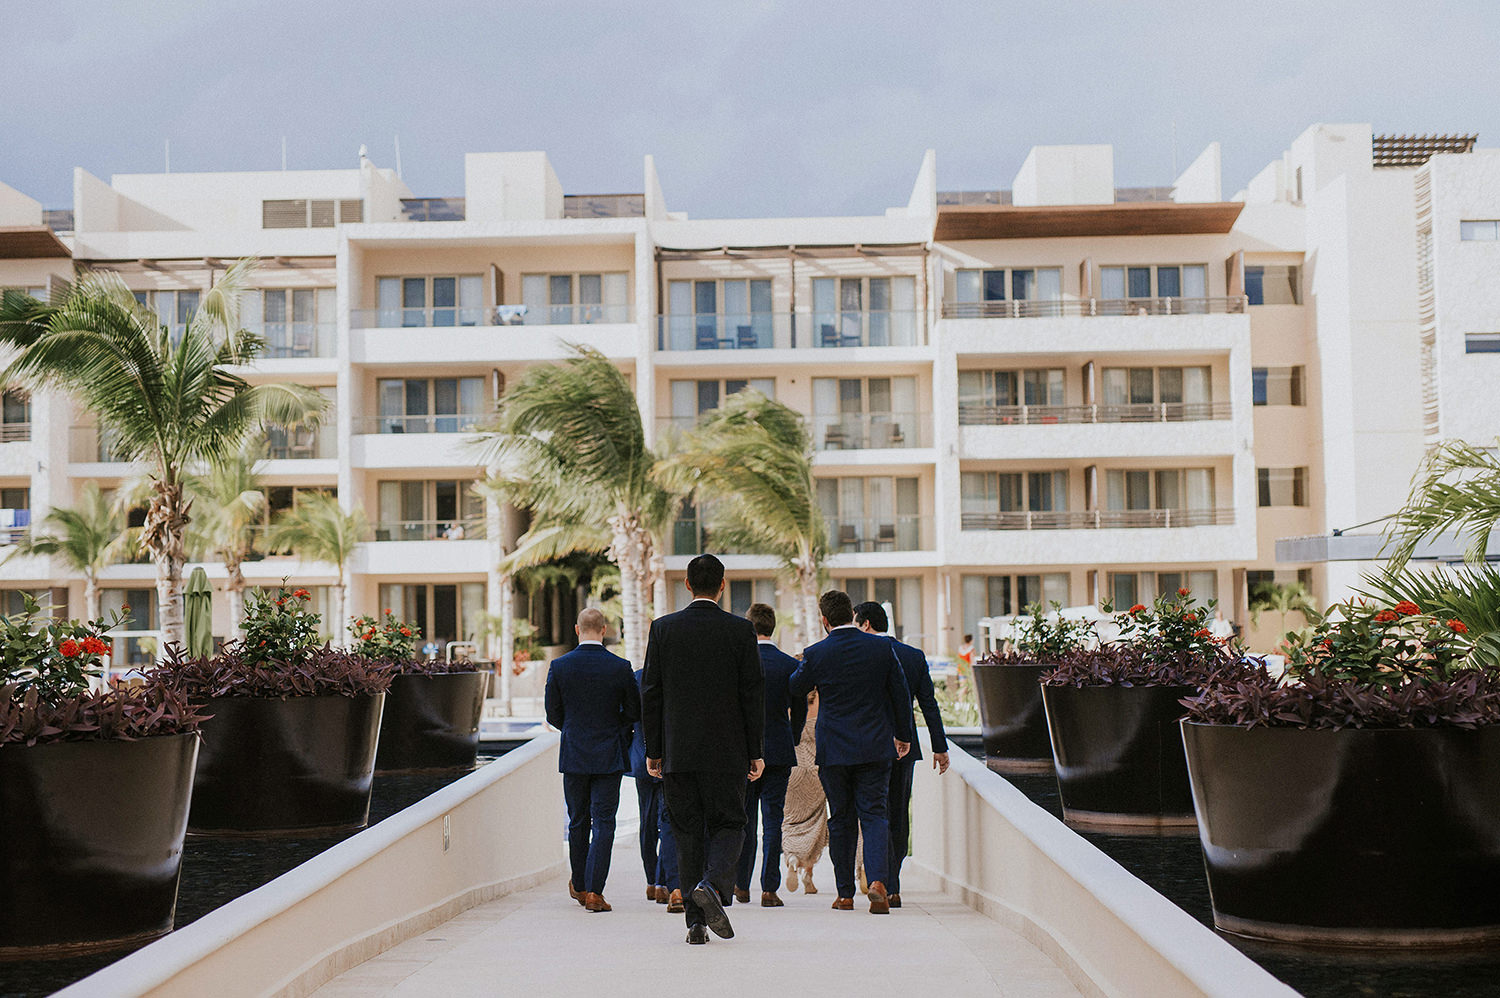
708, 728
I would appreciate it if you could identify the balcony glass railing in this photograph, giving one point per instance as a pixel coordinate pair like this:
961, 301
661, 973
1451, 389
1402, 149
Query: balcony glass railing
14, 432
1091, 306
489, 315
789, 330
873, 430
452, 423
320, 443
430, 530
1095, 519
982, 414
285, 340
888, 533
433, 209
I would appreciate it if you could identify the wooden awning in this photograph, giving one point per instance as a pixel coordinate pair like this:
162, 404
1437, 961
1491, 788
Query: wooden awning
795, 249
30, 242
1131, 218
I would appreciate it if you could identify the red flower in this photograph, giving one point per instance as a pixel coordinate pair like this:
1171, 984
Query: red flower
1385, 616
1458, 626
406, 632
1406, 608
1138, 608
1202, 632
69, 648
387, 609
94, 646
1184, 591
301, 593
1328, 643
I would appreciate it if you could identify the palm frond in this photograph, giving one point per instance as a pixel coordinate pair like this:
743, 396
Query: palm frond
1456, 491
544, 544
318, 529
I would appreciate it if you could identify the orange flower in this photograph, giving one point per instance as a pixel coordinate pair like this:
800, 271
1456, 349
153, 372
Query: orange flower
301, 593
94, 646
1184, 591
1458, 626
1202, 632
406, 632
69, 648
1385, 616
1138, 608
1406, 608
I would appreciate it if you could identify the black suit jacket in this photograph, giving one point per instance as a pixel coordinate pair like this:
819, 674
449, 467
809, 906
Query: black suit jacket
702, 691
919, 681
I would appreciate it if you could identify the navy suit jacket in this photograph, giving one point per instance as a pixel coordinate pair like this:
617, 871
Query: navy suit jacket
785, 714
593, 700
638, 744
863, 701
919, 681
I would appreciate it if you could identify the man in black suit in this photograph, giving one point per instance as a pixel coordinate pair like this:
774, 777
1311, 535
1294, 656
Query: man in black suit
702, 698
872, 619
785, 716
592, 699
862, 728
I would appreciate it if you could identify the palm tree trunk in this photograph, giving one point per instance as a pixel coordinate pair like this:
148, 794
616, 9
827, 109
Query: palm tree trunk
234, 595
163, 534
340, 629
507, 655
91, 595
630, 551
658, 581
169, 603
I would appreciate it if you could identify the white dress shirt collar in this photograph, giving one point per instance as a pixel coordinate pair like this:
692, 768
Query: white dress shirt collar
589, 641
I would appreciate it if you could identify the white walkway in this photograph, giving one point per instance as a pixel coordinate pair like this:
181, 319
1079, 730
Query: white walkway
542, 943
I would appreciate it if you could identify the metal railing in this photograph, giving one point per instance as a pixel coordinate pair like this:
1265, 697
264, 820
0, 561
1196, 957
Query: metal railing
870, 431
450, 423
889, 533
430, 530
489, 315
13, 432
980, 414
1096, 519
433, 209
296, 339
306, 444
789, 330
1052, 308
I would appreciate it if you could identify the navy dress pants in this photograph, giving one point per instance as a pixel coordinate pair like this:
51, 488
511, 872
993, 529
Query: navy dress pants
593, 800
768, 796
857, 797
899, 805
658, 845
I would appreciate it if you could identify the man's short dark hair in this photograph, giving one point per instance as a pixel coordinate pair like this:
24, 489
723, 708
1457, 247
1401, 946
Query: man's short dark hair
872, 613
764, 619
704, 575
835, 607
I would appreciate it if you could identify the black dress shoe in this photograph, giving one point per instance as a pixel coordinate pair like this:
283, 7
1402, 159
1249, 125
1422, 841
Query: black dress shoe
697, 935
705, 897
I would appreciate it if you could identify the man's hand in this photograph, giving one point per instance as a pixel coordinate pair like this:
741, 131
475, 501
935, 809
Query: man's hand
902, 748
757, 767
653, 766
940, 762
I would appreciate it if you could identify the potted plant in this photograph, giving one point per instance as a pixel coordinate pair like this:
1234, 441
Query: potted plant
94, 790
1356, 801
1112, 713
290, 748
432, 710
1009, 691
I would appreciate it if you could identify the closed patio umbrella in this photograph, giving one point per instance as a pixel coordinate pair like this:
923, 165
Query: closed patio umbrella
198, 614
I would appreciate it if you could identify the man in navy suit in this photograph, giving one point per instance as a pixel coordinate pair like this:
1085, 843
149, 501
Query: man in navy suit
592, 699
872, 619
703, 701
658, 847
785, 716
864, 724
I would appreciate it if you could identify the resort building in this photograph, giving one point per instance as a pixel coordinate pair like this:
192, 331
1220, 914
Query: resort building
1056, 390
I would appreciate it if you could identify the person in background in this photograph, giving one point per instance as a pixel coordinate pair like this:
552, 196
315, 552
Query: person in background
966, 650
591, 697
785, 716
871, 618
658, 847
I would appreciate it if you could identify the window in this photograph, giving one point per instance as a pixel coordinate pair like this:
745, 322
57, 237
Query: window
864, 311
1278, 385
13, 602
306, 442
1126, 589
15, 416
430, 405
15, 514
1003, 292
446, 509
871, 514
300, 213
1486, 231
743, 592
445, 613
430, 301
1033, 386
1272, 285
713, 315
280, 498
566, 299
295, 322
1175, 386
1482, 343
1144, 491
1154, 281
174, 309
1282, 486
904, 596
691, 399
141, 604
997, 500
1003, 595
859, 413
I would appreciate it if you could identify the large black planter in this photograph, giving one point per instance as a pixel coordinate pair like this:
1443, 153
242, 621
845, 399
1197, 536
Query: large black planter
1350, 837
1012, 717
1119, 758
432, 722
91, 843
282, 767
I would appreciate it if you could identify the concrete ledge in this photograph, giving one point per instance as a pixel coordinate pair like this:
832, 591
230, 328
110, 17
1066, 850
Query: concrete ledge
995, 850
367, 893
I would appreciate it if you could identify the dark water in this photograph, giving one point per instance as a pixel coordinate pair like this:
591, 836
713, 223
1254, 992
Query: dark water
216, 871
1173, 867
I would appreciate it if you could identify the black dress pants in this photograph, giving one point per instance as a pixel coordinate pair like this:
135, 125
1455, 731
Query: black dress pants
707, 813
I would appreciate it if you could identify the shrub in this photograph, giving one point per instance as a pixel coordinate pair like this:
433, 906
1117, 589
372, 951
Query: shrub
1043, 637
385, 639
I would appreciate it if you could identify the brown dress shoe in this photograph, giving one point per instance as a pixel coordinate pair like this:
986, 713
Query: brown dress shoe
674, 903
595, 902
574, 894
768, 899
651, 890
662, 894
843, 904
895, 900
880, 902
742, 896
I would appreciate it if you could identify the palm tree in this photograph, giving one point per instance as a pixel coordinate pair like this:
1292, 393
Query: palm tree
1456, 490
569, 446
749, 466
235, 503
172, 404
318, 529
1282, 598
87, 537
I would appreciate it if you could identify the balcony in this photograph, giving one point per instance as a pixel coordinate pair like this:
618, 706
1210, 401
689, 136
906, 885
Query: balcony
430, 530
980, 414
871, 431
489, 315
89, 445
414, 441
296, 340
11, 433
872, 534
448, 423
1097, 519
306, 444
790, 330
460, 335
1234, 305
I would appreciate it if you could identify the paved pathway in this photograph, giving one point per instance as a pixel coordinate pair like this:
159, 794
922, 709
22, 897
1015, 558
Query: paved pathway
540, 942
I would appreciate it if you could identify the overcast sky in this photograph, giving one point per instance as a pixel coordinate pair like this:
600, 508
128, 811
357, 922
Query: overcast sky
751, 107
